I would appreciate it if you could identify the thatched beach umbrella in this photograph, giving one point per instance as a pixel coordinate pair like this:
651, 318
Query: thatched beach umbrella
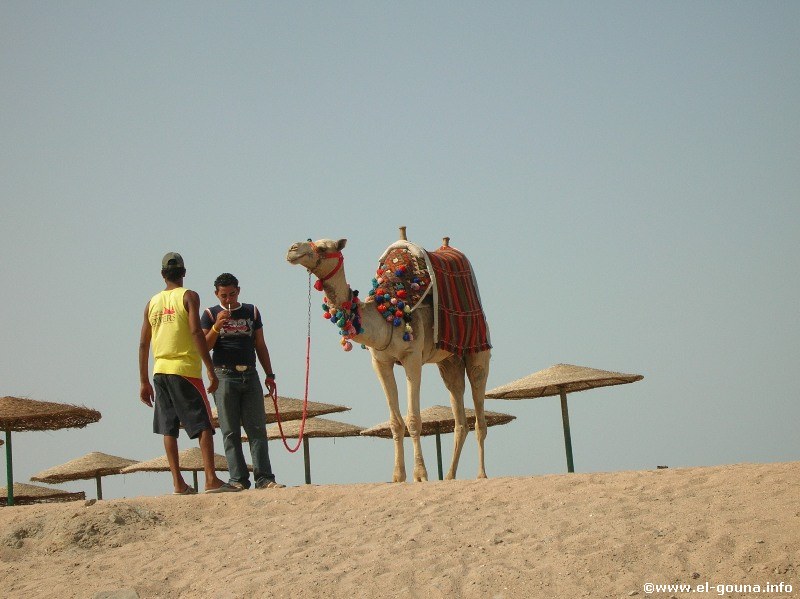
18, 414
189, 460
93, 465
314, 427
437, 420
290, 409
560, 380
27, 494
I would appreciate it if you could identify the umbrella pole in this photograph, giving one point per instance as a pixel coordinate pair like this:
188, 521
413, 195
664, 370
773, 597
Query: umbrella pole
439, 452
567, 437
9, 469
99, 488
194, 479
306, 460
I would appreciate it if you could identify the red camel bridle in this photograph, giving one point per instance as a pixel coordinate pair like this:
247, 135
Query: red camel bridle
320, 258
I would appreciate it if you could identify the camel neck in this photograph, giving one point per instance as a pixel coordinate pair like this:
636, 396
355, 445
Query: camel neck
336, 288
372, 329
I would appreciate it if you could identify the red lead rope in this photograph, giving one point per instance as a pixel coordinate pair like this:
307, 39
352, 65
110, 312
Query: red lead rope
305, 395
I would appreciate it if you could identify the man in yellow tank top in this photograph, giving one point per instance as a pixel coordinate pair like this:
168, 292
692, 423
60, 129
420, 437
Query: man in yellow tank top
172, 326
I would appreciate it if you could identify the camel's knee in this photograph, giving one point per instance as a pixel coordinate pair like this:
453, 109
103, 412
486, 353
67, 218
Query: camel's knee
480, 431
398, 427
459, 433
414, 425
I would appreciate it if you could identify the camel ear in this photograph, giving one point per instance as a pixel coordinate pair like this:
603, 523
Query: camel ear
340, 244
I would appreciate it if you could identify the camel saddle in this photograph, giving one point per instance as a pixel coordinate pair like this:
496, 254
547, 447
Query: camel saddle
459, 324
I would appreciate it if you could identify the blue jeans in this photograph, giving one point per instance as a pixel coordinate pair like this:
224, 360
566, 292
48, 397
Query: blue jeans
240, 403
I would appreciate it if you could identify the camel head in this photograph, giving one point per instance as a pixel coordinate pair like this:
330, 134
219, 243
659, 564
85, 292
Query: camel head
314, 254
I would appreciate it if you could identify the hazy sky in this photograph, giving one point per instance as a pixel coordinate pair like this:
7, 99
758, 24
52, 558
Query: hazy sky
624, 177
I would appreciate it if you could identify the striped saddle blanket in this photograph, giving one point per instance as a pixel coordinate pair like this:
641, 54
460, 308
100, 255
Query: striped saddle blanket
459, 325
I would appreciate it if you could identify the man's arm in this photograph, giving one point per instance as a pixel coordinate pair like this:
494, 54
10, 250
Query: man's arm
145, 388
212, 334
263, 357
191, 302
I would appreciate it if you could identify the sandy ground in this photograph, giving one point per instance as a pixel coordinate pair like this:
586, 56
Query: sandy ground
579, 535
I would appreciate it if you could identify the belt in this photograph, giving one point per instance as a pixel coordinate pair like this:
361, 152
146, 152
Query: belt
238, 367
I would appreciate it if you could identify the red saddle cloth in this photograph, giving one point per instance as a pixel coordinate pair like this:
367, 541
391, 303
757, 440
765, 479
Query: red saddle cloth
462, 327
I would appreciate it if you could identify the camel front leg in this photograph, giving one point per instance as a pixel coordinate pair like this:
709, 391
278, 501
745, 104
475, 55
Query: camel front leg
385, 373
413, 368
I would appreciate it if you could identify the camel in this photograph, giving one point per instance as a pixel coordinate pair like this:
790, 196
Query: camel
387, 347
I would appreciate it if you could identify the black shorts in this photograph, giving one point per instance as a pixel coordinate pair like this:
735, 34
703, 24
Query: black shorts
180, 400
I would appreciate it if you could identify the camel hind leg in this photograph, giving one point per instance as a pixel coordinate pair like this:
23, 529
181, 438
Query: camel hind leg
477, 367
452, 370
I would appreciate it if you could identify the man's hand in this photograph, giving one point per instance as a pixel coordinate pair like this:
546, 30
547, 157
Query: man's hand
146, 394
222, 317
270, 384
213, 382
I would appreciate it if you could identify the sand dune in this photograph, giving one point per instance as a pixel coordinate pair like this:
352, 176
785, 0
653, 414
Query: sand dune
580, 535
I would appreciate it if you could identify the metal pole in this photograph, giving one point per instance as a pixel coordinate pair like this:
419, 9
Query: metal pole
99, 488
567, 438
306, 460
194, 478
439, 452
9, 469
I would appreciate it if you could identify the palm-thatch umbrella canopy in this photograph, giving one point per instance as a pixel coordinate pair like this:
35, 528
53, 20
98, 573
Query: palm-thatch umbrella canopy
189, 460
27, 494
93, 465
560, 380
314, 427
289, 408
437, 420
21, 414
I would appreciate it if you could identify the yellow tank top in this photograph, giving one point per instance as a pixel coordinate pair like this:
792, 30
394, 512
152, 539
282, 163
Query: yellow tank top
173, 348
